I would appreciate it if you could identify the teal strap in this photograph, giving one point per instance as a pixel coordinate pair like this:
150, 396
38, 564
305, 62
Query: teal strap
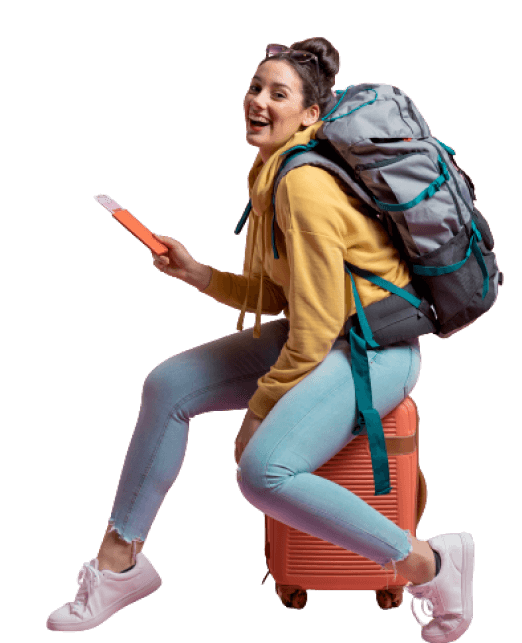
385, 285
480, 259
365, 326
425, 194
329, 120
368, 416
243, 218
446, 147
298, 149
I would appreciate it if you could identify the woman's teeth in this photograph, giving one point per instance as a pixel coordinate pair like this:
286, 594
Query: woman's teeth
258, 123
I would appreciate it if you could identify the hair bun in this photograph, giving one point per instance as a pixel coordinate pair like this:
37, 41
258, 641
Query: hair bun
326, 53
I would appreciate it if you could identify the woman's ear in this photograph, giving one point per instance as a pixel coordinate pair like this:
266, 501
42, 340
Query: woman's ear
312, 115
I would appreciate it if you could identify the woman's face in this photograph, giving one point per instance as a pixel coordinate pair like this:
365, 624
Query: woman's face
275, 97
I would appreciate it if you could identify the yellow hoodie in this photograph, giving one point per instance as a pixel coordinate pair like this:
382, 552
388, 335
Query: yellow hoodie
318, 226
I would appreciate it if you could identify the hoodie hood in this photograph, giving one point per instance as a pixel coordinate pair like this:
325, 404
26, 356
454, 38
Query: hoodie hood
260, 183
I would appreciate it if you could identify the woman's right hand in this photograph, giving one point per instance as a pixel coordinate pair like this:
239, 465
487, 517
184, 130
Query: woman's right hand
178, 263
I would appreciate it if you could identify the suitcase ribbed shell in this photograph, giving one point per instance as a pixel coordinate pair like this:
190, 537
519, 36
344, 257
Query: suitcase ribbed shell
298, 559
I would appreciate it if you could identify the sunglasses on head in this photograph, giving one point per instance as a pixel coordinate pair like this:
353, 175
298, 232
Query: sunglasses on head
294, 54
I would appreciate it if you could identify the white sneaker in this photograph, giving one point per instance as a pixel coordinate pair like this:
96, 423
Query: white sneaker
450, 593
104, 592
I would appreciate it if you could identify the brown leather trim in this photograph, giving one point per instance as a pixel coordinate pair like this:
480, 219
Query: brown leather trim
401, 445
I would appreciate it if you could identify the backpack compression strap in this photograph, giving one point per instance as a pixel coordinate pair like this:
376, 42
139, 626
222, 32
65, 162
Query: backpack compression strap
368, 416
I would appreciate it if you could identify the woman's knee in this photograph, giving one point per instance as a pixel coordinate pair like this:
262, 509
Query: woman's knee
256, 477
250, 487
251, 476
168, 378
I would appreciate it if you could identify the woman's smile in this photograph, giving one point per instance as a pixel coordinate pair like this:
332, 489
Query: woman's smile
256, 124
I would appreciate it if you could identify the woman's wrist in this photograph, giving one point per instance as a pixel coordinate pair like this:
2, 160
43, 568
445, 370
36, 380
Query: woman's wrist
203, 277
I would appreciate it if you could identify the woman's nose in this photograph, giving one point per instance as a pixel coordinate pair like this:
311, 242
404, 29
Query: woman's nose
256, 106
258, 102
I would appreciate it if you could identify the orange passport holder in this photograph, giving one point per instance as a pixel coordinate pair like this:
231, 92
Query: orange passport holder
132, 224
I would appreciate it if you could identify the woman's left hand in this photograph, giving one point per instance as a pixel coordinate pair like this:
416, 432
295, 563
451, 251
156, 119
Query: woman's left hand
248, 428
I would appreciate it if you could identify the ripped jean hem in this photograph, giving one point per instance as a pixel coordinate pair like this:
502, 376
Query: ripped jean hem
112, 527
410, 548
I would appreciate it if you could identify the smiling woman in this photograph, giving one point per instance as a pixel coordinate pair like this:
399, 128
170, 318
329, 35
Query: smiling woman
288, 93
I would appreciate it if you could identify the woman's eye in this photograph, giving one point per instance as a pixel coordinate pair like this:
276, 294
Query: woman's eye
255, 87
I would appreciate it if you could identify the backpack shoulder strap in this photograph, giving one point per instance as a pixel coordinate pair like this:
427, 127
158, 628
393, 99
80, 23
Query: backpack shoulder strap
322, 157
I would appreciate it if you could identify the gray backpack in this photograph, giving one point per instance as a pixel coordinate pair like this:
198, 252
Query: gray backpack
375, 141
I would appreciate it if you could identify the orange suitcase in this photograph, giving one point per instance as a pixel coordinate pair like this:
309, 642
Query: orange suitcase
298, 561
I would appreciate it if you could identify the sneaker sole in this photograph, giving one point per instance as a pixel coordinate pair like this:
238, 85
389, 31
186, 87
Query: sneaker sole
152, 586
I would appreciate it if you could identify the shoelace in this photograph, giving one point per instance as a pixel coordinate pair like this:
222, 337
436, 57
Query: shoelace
429, 599
88, 578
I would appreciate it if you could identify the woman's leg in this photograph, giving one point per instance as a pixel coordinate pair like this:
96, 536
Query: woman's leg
306, 428
218, 376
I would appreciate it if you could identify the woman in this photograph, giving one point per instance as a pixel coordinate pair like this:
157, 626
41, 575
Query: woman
293, 374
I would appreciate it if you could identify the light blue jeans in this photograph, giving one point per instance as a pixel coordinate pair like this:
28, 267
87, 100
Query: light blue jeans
309, 425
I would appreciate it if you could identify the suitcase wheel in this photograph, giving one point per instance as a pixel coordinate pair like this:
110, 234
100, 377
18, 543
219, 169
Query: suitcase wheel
388, 598
291, 596
295, 597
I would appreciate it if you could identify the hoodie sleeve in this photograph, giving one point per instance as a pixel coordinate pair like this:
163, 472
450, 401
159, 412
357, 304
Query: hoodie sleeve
231, 289
312, 214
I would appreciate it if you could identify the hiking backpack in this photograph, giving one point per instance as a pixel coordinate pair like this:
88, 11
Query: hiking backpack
375, 141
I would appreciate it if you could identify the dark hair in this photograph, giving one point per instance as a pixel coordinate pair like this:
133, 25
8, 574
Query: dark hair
315, 90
